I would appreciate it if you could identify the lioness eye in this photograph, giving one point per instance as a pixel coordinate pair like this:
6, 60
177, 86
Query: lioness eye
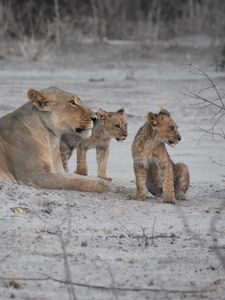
117, 125
172, 128
72, 102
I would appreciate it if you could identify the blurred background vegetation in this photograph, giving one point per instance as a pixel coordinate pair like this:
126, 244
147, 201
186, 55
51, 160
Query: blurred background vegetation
36, 24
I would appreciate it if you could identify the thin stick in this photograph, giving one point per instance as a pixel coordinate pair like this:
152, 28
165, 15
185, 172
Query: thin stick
153, 231
122, 289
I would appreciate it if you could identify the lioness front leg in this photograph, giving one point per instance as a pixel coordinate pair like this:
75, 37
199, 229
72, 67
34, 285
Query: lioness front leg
140, 175
82, 168
168, 182
102, 152
69, 182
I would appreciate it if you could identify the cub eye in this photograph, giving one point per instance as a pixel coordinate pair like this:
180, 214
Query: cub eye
72, 102
117, 125
172, 128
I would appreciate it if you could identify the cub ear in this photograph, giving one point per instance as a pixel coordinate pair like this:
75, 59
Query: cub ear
152, 119
121, 111
101, 114
164, 112
38, 100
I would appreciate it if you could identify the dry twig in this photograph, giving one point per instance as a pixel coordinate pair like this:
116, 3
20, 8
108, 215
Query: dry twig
203, 102
106, 288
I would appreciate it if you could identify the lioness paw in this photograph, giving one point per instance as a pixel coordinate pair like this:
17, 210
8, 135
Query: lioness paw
103, 186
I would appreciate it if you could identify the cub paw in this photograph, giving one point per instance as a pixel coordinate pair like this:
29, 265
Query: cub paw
105, 178
81, 172
181, 196
170, 199
137, 197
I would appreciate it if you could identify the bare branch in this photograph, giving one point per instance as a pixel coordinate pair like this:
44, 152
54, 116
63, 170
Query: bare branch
212, 83
119, 289
70, 288
206, 103
153, 231
215, 162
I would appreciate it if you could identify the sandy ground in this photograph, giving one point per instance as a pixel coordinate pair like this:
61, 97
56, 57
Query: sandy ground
107, 246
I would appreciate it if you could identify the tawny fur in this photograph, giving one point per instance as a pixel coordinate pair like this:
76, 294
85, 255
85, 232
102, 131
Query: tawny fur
107, 126
153, 166
30, 139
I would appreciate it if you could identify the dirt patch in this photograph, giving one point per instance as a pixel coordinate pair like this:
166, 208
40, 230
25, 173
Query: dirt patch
106, 246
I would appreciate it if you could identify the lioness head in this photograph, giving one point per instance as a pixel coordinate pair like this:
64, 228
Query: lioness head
69, 112
164, 128
114, 123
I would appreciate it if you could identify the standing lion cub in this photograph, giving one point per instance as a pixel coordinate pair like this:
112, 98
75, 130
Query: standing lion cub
153, 166
107, 126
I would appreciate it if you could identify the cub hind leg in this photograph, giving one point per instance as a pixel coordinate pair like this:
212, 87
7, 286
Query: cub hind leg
154, 181
181, 180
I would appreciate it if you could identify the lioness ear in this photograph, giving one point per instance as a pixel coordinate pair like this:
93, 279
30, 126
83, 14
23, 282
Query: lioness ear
121, 111
38, 100
102, 114
164, 112
152, 119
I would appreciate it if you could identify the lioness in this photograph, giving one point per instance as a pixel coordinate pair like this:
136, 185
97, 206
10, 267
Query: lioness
152, 164
107, 126
30, 139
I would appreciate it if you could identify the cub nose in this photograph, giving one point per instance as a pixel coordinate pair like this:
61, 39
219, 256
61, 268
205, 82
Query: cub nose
125, 134
94, 119
179, 138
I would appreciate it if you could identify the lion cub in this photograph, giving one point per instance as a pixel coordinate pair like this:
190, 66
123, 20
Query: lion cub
152, 164
107, 126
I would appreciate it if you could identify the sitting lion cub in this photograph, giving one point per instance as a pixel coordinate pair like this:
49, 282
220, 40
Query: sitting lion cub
152, 164
107, 126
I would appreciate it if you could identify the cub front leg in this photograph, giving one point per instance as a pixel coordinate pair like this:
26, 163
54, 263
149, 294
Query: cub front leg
66, 153
168, 182
82, 168
140, 175
102, 153
182, 180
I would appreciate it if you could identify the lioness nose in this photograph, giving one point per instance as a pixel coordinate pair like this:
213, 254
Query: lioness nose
125, 134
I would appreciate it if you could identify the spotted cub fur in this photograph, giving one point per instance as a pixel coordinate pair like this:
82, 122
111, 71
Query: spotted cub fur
153, 166
107, 126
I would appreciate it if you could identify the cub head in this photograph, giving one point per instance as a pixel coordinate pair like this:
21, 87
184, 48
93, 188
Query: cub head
164, 128
67, 110
115, 124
